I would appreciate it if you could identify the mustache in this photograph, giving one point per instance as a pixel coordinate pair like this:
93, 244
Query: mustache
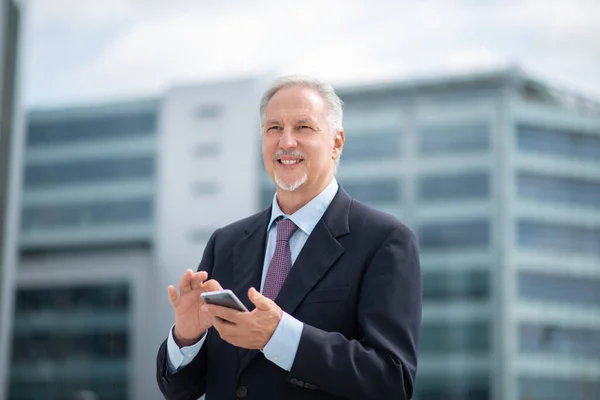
287, 153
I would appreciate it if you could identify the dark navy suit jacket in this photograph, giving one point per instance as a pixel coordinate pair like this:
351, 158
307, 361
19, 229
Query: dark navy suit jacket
356, 286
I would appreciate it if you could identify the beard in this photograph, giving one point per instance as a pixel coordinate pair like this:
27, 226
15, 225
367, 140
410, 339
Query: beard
290, 187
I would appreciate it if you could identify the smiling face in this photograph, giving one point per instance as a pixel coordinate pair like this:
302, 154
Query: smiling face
299, 150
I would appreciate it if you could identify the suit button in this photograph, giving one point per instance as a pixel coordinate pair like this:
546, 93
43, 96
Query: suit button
242, 392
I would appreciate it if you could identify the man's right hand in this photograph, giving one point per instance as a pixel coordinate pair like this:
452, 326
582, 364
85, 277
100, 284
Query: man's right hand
190, 321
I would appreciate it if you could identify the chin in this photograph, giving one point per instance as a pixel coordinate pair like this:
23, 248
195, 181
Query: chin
289, 186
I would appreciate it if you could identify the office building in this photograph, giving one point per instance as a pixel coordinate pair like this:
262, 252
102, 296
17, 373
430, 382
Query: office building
497, 173
10, 144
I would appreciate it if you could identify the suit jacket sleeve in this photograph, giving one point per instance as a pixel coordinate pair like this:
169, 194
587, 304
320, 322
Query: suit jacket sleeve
189, 382
382, 363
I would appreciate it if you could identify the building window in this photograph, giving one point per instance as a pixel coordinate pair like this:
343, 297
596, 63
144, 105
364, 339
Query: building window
209, 111
456, 285
201, 235
453, 138
110, 297
445, 338
559, 389
450, 235
374, 191
554, 339
546, 236
266, 196
559, 289
456, 186
556, 142
77, 130
91, 357
102, 170
93, 214
453, 386
378, 146
205, 188
207, 150
558, 190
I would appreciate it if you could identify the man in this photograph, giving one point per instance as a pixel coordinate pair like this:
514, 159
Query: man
333, 287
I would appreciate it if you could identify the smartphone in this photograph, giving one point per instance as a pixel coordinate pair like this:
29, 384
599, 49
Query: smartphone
224, 298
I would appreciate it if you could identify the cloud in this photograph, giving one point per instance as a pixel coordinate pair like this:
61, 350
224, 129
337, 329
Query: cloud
132, 47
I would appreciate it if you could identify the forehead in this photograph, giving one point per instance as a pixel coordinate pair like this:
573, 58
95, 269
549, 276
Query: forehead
296, 102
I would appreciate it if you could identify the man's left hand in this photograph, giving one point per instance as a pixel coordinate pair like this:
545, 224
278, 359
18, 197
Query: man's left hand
248, 330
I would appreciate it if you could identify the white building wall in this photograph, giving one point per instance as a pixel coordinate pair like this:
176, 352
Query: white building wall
207, 173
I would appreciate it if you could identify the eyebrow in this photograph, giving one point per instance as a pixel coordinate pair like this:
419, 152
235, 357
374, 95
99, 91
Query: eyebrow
307, 120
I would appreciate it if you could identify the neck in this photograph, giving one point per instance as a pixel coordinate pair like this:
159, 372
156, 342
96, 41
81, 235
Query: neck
291, 201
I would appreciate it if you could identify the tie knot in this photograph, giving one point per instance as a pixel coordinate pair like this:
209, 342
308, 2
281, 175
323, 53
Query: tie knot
285, 229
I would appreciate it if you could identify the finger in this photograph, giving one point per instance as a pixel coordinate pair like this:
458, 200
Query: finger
261, 302
223, 327
197, 279
211, 286
173, 297
185, 282
225, 313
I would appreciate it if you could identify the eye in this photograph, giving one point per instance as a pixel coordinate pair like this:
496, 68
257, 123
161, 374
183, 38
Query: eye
275, 127
304, 127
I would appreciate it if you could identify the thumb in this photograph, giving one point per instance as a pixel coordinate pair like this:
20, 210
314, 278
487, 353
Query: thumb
261, 302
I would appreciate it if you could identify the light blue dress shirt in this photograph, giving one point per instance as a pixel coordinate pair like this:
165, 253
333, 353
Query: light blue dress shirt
283, 345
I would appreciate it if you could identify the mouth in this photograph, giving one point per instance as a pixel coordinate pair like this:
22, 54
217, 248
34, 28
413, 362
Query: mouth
289, 161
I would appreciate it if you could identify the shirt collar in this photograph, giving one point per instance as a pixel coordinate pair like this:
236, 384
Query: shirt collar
309, 215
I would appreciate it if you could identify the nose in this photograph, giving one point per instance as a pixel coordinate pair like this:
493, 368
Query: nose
287, 139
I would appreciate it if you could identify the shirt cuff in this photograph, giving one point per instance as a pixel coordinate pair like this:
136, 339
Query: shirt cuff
180, 357
282, 347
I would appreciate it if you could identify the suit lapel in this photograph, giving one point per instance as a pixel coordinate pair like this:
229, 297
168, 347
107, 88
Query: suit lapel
319, 253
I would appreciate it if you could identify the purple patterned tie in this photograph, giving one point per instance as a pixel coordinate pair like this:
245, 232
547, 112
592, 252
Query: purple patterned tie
281, 263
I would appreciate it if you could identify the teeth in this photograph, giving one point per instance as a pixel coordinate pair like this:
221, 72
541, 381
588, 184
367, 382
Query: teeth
288, 162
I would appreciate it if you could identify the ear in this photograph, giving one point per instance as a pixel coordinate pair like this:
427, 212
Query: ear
338, 145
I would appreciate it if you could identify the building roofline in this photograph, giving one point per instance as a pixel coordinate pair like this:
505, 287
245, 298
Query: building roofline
93, 108
512, 75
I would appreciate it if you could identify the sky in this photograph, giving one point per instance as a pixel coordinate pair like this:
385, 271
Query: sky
81, 51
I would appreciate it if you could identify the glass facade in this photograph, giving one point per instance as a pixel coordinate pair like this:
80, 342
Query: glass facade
559, 289
94, 171
447, 286
471, 185
379, 146
452, 386
553, 339
92, 214
575, 145
559, 389
77, 130
447, 337
69, 341
457, 138
567, 191
454, 235
542, 235
374, 191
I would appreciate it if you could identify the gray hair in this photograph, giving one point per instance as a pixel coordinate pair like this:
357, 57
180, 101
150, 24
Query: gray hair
334, 103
